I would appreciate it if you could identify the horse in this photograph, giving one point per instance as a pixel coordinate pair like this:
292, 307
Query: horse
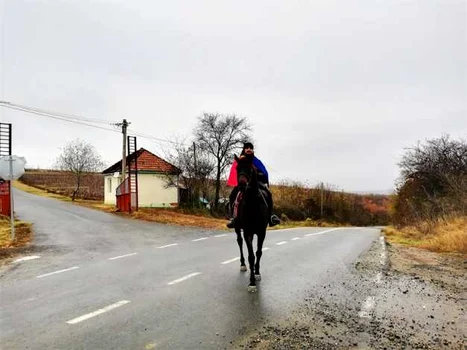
252, 217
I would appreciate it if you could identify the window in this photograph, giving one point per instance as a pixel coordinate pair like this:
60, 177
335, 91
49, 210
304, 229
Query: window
109, 184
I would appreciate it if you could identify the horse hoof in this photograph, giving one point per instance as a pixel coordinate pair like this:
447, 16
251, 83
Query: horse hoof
243, 268
258, 277
252, 289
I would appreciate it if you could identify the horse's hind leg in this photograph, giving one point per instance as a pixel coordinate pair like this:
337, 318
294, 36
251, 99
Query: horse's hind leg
251, 261
259, 253
240, 245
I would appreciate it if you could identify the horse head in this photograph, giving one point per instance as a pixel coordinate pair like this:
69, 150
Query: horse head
246, 172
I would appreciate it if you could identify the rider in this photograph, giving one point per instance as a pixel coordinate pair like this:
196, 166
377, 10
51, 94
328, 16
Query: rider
263, 179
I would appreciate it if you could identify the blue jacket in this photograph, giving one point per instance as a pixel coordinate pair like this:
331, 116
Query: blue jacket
263, 175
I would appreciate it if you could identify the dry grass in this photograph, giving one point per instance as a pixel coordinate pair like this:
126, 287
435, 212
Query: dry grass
23, 233
445, 236
37, 191
174, 217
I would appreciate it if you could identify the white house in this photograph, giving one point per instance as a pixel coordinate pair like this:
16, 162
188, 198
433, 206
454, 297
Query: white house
153, 173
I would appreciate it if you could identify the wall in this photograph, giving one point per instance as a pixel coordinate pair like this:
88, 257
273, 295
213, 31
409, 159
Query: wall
110, 185
151, 188
152, 191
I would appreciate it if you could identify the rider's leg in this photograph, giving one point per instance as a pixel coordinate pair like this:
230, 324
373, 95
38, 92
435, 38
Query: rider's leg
273, 219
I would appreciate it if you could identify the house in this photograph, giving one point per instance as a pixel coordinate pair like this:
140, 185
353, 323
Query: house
153, 185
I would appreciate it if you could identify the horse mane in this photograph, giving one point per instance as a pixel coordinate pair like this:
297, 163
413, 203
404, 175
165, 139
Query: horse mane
246, 160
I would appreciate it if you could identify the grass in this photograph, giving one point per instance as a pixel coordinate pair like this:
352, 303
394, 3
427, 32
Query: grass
23, 233
447, 236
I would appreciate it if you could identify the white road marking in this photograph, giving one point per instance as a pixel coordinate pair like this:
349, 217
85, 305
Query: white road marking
281, 243
379, 277
221, 235
367, 308
26, 258
168, 245
321, 232
184, 278
200, 239
97, 312
295, 238
265, 248
384, 253
122, 256
230, 261
60, 271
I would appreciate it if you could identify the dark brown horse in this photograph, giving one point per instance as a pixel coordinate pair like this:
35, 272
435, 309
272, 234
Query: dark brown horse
252, 217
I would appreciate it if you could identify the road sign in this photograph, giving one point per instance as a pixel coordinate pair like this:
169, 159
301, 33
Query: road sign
12, 167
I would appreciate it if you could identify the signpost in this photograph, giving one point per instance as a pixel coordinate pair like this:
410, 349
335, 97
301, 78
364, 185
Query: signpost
12, 168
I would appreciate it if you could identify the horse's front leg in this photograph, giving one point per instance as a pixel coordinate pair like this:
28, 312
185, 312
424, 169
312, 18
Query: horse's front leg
259, 253
251, 260
238, 231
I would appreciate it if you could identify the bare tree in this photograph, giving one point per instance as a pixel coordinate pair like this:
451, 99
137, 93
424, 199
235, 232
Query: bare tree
79, 158
196, 169
219, 135
433, 180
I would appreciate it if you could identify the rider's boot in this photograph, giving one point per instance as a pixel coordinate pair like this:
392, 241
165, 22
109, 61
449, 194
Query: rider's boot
274, 220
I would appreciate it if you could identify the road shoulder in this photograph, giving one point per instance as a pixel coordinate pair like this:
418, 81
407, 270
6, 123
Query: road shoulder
411, 299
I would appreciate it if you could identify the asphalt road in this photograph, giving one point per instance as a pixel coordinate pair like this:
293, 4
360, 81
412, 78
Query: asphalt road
104, 282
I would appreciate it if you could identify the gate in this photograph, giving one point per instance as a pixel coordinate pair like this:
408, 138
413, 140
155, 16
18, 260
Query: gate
127, 192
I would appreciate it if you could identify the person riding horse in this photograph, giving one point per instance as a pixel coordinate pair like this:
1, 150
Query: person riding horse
263, 179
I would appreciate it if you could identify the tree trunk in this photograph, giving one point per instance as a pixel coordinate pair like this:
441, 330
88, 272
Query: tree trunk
218, 186
75, 192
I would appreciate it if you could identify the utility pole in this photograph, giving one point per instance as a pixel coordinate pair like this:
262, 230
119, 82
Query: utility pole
322, 198
194, 158
124, 126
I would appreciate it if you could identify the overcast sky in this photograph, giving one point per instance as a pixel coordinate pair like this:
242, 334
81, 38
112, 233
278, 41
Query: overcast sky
334, 90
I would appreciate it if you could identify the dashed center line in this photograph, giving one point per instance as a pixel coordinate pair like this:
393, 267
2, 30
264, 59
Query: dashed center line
200, 239
295, 238
97, 312
167, 246
281, 243
122, 256
221, 235
56, 272
230, 261
320, 233
184, 278
265, 248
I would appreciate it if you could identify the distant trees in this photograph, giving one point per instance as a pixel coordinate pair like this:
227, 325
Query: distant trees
433, 182
295, 201
79, 158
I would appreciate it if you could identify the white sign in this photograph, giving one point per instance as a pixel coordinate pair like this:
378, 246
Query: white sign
12, 167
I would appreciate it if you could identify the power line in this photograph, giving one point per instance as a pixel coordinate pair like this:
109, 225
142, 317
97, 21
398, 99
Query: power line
32, 111
152, 138
53, 113
85, 121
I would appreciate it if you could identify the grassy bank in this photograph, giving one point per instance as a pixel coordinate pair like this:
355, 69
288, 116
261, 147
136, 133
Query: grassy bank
23, 233
441, 236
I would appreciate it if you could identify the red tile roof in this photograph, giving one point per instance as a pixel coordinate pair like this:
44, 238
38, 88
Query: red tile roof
147, 161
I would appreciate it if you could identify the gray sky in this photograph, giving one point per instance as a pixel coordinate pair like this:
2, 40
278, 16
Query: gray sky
334, 89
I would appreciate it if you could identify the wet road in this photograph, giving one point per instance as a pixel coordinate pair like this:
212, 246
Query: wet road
104, 282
